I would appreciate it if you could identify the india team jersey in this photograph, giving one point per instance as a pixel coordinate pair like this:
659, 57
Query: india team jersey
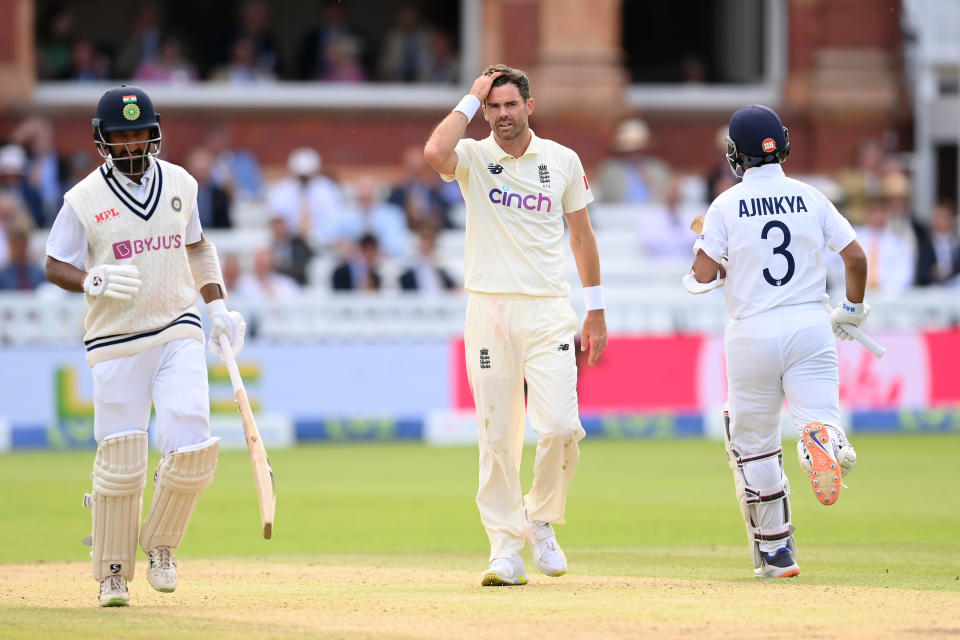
515, 208
152, 234
769, 231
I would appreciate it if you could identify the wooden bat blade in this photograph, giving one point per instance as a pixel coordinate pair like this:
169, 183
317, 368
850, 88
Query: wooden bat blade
262, 472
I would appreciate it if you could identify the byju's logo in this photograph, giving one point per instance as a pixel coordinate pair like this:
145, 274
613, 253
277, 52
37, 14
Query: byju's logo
122, 250
495, 169
128, 248
530, 201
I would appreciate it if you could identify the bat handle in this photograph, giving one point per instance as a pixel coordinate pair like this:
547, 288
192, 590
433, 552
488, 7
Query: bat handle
872, 345
231, 361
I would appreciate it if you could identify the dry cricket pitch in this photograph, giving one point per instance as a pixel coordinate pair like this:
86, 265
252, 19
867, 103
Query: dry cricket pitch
224, 599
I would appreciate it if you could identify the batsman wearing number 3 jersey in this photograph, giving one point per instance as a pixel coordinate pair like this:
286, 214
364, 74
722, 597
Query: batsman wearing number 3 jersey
762, 240
520, 326
128, 236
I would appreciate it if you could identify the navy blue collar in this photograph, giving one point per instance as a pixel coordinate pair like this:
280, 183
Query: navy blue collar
142, 209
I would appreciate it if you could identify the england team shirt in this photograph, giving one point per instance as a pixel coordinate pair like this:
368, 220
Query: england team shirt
769, 232
515, 208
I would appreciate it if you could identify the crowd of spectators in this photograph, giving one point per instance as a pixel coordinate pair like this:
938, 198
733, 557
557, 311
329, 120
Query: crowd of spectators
373, 231
162, 48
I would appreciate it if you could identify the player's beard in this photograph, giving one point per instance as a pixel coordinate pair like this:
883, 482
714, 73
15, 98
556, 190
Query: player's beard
132, 164
515, 129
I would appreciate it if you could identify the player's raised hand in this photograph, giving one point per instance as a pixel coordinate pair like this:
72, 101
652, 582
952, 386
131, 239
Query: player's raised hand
481, 86
593, 336
120, 281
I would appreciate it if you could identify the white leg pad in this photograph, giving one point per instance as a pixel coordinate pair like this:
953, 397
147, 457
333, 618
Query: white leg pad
119, 475
181, 478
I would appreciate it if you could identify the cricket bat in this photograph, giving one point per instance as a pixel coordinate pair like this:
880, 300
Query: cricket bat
262, 473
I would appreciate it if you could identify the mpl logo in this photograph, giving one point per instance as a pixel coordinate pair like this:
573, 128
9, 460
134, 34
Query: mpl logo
530, 201
129, 248
104, 216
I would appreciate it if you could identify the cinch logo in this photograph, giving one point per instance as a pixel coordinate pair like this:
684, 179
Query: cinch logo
129, 248
530, 202
109, 214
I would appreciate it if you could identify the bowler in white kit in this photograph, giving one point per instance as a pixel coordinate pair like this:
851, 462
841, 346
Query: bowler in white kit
128, 236
520, 326
762, 241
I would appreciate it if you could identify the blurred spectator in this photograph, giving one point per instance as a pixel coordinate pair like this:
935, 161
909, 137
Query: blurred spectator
938, 247
371, 214
719, 178
142, 42
88, 64
309, 202
664, 230
213, 201
890, 260
291, 253
420, 192
35, 135
426, 274
265, 283
55, 44
20, 273
442, 64
13, 181
343, 61
234, 170
169, 65
405, 55
631, 175
243, 68
79, 165
332, 27
13, 214
359, 271
895, 187
254, 28
230, 269
863, 182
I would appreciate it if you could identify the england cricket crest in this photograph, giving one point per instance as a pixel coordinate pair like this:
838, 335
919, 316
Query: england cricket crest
484, 358
544, 175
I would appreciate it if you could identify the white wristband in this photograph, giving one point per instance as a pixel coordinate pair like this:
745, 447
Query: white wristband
468, 106
216, 306
593, 296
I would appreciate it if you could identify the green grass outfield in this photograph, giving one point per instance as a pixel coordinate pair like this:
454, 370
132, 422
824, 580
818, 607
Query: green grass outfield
384, 540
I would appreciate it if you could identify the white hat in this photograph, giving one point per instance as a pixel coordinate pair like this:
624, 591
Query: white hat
303, 161
13, 160
631, 135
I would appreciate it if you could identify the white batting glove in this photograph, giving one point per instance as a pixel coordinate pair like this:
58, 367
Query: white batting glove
120, 281
853, 313
224, 322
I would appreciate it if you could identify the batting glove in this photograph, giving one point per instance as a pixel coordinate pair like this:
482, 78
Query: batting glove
224, 322
113, 280
848, 313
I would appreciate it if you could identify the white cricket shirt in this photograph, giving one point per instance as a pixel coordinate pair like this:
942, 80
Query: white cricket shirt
771, 230
515, 208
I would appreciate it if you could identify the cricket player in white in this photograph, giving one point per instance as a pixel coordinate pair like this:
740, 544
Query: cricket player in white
128, 236
767, 234
520, 326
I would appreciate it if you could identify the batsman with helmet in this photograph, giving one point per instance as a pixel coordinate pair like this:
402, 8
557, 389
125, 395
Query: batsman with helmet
129, 237
762, 241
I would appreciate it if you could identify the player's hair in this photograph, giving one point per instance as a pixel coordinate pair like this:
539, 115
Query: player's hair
516, 76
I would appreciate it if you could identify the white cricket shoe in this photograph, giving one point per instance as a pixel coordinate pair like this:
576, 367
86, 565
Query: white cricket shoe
779, 564
162, 570
114, 592
505, 571
547, 554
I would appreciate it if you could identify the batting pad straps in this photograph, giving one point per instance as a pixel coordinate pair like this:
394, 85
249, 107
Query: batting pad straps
181, 478
205, 265
119, 475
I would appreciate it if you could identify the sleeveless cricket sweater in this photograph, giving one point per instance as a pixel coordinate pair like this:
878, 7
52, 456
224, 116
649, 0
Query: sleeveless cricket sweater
151, 235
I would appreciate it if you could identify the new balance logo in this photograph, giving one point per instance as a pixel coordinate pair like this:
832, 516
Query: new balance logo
494, 168
564, 347
484, 358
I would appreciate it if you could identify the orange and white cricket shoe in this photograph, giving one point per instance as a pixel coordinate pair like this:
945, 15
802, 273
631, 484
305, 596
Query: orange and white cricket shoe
826, 476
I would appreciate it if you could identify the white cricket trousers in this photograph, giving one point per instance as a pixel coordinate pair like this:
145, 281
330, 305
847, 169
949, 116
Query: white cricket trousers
509, 339
785, 351
172, 377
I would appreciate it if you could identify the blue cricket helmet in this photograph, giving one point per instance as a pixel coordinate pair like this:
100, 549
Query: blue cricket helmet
125, 108
757, 137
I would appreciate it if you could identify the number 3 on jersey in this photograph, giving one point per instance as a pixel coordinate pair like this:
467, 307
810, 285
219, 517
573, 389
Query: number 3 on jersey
780, 249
